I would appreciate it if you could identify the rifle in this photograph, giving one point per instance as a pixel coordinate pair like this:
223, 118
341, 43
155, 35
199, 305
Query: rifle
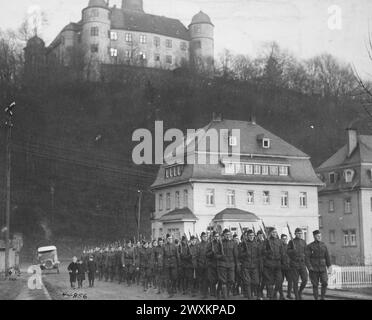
245, 243
254, 231
265, 230
222, 251
291, 236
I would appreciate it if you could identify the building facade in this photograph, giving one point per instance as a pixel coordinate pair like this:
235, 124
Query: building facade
271, 181
345, 202
128, 35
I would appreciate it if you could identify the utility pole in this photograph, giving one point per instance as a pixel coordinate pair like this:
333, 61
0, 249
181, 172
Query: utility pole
9, 113
139, 213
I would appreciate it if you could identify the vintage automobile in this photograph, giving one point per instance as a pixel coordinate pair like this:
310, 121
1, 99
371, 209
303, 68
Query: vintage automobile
48, 258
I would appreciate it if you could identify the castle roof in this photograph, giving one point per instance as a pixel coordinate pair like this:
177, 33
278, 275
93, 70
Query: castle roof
184, 214
143, 22
97, 3
201, 17
35, 41
236, 215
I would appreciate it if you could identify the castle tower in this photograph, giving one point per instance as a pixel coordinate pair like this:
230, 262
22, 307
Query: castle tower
35, 60
201, 31
133, 5
95, 33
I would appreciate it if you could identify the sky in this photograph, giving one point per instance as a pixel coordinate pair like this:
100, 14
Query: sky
303, 27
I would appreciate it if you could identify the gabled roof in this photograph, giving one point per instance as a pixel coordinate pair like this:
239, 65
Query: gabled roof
143, 22
362, 153
184, 214
236, 215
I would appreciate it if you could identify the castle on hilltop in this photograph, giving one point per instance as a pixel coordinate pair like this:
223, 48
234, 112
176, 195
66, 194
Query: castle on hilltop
109, 35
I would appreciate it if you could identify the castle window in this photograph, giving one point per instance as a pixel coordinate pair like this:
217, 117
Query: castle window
274, 170
95, 13
331, 206
197, 28
347, 204
230, 198
266, 197
113, 35
249, 169
178, 202
350, 238
210, 197
265, 170
142, 56
157, 42
332, 177
168, 201
94, 48
332, 236
185, 198
197, 44
157, 57
250, 197
283, 171
143, 39
230, 168
169, 59
183, 46
161, 202
233, 141
266, 143
128, 54
168, 43
284, 200
113, 52
349, 175
257, 169
128, 37
94, 31
303, 199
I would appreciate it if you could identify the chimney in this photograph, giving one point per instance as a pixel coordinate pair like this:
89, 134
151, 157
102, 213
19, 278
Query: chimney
253, 119
352, 140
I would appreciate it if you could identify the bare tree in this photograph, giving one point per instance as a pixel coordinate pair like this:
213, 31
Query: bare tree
32, 24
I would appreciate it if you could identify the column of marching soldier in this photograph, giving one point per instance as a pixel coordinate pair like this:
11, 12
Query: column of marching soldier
219, 265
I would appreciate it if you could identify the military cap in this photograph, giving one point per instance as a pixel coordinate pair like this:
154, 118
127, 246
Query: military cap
183, 238
235, 235
249, 232
226, 231
160, 239
203, 234
192, 238
283, 236
168, 235
316, 232
214, 233
259, 232
298, 230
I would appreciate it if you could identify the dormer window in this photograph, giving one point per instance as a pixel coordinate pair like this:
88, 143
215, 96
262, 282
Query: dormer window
332, 177
233, 141
349, 175
266, 143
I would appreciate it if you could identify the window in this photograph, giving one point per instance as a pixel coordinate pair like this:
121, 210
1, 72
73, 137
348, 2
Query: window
233, 141
113, 52
143, 39
168, 43
210, 197
257, 169
265, 170
349, 175
94, 31
168, 201
303, 199
347, 204
250, 197
249, 169
157, 42
142, 55
349, 238
197, 44
331, 206
230, 168
157, 57
169, 59
332, 177
113, 35
283, 171
231, 198
95, 13
128, 54
284, 200
274, 170
266, 143
332, 236
197, 28
94, 48
266, 197
185, 198
178, 202
161, 204
128, 37
320, 222
183, 46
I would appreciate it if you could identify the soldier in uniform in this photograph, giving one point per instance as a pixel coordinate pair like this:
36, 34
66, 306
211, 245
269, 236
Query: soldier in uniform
101, 265
237, 285
185, 270
251, 263
296, 252
106, 264
158, 266
285, 270
171, 260
212, 263
117, 263
144, 264
130, 263
194, 263
202, 265
137, 274
261, 242
273, 254
317, 261
227, 259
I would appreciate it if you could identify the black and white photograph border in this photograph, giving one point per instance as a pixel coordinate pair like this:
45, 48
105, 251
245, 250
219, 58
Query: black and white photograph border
198, 152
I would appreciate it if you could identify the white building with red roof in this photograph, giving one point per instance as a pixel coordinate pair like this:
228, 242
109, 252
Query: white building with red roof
272, 181
345, 202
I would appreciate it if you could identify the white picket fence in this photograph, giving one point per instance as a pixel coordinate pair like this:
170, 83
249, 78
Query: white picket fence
350, 277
